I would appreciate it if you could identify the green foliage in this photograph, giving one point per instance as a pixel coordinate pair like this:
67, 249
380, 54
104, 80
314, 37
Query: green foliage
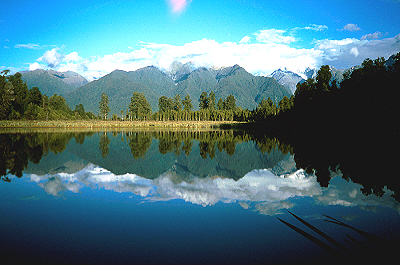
203, 100
187, 103
139, 107
19, 102
177, 104
286, 103
230, 103
220, 104
211, 100
57, 102
80, 112
325, 119
323, 78
6, 95
34, 96
20, 93
265, 108
103, 106
164, 103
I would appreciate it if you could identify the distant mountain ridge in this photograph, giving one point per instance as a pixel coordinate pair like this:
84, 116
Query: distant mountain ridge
290, 79
183, 79
52, 82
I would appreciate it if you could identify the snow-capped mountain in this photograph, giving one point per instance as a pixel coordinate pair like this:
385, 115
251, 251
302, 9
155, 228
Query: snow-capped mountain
287, 78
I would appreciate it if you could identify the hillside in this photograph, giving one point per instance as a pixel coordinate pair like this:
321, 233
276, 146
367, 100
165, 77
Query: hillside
52, 82
119, 85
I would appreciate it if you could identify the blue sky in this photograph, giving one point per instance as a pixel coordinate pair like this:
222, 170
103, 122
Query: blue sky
95, 37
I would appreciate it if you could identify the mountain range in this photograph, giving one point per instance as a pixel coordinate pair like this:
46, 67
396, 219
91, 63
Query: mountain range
182, 79
52, 82
290, 79
247, 89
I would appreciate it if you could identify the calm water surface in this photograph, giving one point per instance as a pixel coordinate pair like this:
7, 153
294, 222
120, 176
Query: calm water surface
171, 198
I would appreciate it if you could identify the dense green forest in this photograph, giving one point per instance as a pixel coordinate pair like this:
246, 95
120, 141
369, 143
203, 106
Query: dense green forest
19, 102
351, 127
364, 92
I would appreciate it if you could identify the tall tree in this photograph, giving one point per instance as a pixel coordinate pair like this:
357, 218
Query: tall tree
177, 104
230, 103
211, 100
34, 96
80, 110
57, 102
187, 103
139, 106
284, 104
163, 104
103, 106
220, 104
203, 101
20, 92
6, 95
323, 78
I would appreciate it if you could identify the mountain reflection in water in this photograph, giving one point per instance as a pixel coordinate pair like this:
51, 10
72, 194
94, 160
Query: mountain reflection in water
201, 167
178, 197
259, 189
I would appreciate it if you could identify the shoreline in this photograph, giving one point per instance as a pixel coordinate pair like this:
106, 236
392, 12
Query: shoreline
100, 124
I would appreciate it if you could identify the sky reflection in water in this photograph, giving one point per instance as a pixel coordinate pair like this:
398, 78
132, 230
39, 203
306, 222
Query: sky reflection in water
260, 189
89, 215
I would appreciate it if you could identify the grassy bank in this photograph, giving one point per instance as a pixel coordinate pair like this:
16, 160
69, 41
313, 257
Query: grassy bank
88, 124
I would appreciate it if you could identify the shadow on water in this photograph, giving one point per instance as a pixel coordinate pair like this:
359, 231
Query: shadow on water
369, 249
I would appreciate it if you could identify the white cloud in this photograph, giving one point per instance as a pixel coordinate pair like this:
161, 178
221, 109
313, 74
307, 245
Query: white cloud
34, 66
336, 52
317, 27
262, 54
372, 36
314, 27
258, 190
27, 46
351, 27
354, 51
52, 58
245, 39
273, 36
72, 57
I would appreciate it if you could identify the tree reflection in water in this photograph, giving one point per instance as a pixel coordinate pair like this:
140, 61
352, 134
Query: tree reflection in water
17, 149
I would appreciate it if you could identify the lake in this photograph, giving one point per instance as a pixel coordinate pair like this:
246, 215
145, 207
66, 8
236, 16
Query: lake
178, 197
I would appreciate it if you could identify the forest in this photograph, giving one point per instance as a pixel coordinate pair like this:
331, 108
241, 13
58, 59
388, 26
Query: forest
350, 128
17, 102
366, 91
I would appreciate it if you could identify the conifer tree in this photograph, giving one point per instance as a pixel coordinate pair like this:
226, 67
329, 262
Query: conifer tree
139, 106
103, 105
187, 103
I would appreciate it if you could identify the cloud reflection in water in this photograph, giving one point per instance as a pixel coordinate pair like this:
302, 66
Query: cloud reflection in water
259, 190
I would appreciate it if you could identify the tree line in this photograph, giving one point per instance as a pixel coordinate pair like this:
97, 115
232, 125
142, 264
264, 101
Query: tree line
349, 126
178, 109
19, 102
21, 148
